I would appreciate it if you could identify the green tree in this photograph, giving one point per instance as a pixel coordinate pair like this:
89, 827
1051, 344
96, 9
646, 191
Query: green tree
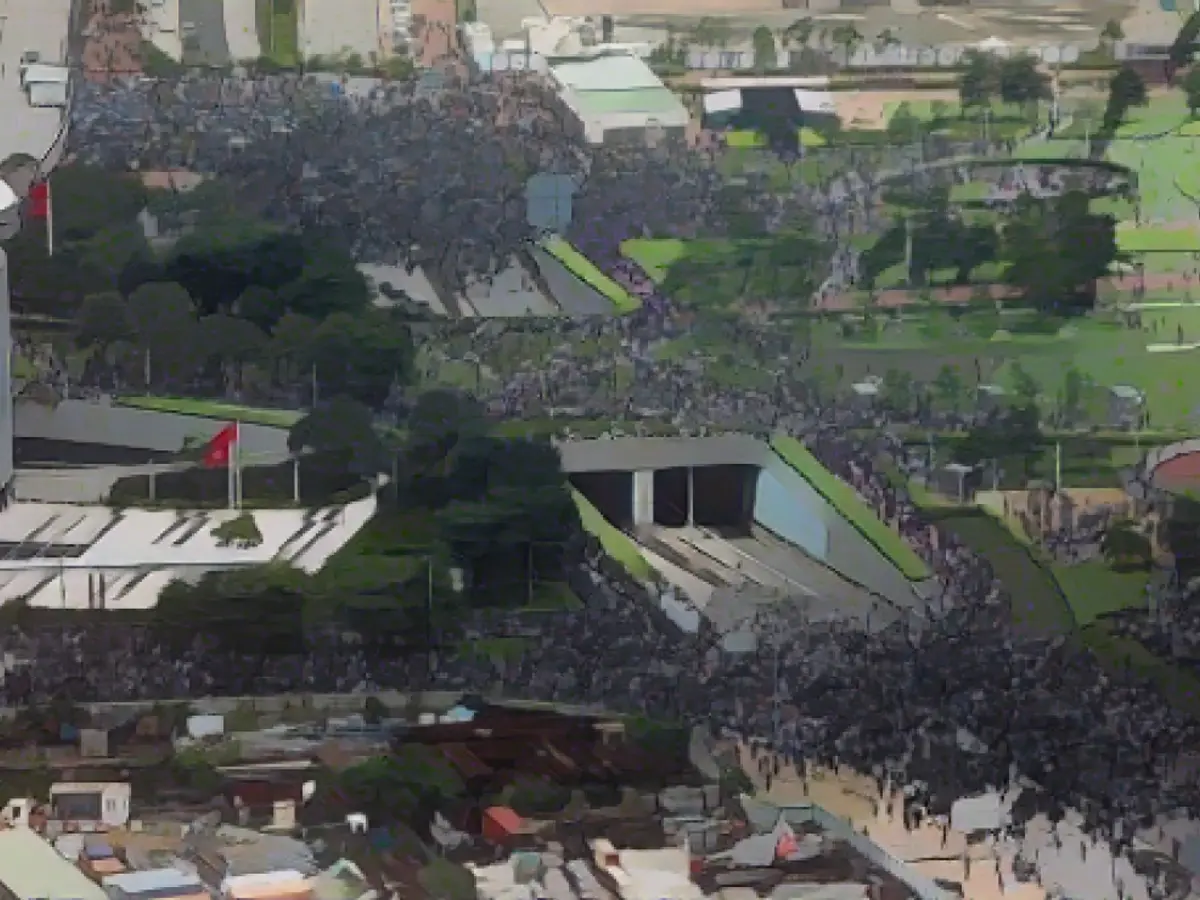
113, 249
849, 38
897, 394
979, 81
343, 431
904, 127
328, 283
511, 518
88, 200
1191, 88
1057, 251
1183, 48
885, 39
360, 356
1022, 83
1126, 547
948, 387
396, 788
800, 32
290, 341
231, 344
258, 610
712, 32
763, 42
1126, 90
102, 321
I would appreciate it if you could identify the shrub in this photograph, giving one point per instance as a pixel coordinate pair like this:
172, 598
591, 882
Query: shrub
241, 533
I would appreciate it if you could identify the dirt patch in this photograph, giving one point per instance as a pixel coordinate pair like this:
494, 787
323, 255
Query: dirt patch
435, 40
113, 45
870, 109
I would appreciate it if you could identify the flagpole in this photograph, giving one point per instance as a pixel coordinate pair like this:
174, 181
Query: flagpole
237, 456
229, 474
49, 221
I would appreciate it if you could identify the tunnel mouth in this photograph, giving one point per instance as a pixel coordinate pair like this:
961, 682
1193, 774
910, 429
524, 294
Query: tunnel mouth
718, 498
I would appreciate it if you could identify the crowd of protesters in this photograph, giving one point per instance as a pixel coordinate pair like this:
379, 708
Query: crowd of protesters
958, 704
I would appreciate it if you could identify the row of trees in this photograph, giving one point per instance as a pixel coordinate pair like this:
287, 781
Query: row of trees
1055, 249
221, 302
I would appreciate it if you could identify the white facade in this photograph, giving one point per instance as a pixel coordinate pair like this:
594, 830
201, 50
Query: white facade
109, 799
47, 93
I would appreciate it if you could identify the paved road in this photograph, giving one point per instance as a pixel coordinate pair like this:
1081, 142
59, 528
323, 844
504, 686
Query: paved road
39, 25
574, 296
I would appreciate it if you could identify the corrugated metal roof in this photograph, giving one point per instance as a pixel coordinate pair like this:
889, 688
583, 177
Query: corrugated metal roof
605, 73
33, 870
644, 100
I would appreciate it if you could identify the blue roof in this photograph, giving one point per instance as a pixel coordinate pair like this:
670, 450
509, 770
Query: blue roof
98, 850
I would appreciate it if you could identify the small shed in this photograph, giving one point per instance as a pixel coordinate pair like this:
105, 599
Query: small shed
501, 824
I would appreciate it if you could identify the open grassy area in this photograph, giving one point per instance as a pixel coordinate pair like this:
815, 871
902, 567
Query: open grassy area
615, 543
1150, 238
278, 25
984, 347
752, 139
1093, 589
583, 269
843, 498
215, 409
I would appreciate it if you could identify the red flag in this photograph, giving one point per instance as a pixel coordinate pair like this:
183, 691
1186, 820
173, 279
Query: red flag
219, 452
39, 200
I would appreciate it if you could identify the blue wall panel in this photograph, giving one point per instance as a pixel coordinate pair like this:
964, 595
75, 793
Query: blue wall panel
779, 509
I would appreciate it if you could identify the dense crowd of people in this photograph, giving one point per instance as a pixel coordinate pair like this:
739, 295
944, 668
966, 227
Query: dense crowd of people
897, 701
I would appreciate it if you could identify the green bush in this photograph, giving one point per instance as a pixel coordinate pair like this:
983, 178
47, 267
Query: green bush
241, 533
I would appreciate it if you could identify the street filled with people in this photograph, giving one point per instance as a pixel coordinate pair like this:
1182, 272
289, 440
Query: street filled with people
965, 703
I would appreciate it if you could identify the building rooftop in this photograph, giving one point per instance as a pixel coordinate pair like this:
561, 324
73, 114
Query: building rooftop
30, 869
608, 72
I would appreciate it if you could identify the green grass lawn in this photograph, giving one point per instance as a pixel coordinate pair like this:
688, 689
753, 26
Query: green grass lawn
1148, 238
1104, 353
1158, 164
843, 498
1094, 590
615, 543
277, 23
583, 269
742, 140
215, 409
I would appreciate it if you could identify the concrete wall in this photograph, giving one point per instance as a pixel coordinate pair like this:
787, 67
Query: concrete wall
631, 454
778, 509
93, 423
846, 550
788, 499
